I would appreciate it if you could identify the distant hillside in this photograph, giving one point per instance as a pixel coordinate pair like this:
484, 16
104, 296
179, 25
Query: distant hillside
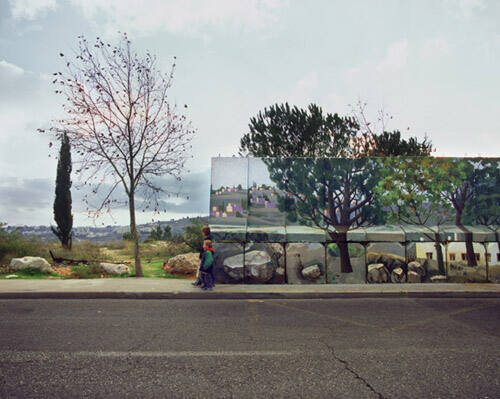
107, 233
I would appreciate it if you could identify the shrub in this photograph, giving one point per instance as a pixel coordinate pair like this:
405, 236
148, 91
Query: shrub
31, 272
333, 250
157, 234
14, 245
115, 245
82, 271
127, 236
192, 235
177, 238
82, 250
164, 250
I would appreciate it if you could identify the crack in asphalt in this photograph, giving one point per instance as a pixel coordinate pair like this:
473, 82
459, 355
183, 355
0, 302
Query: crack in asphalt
352, 371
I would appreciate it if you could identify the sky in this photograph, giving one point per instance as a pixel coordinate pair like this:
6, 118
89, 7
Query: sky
431, 64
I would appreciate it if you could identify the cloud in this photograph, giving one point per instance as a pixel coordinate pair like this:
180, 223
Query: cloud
335, 103
190, 195
19, 85
10, 70
305, 90
193, 193
352, 73
465, 8
18, 195
308, 82
31, 9
396, 56
26, 103
29, 200
434, 48
181, 16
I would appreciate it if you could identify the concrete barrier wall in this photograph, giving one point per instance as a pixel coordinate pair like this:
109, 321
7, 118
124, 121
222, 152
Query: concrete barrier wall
329, 220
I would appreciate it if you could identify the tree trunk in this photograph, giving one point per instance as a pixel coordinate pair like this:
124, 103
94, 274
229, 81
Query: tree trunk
469, 248
345, 260
135, 234
471, 256
439, 254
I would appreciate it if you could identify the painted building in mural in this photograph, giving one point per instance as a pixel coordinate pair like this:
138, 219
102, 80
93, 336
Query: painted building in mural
331, 220
456, 252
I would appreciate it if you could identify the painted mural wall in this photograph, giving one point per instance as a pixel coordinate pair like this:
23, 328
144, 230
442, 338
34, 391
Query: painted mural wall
366, 220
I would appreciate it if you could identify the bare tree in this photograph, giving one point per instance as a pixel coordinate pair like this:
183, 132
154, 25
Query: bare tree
373, 138
120, 122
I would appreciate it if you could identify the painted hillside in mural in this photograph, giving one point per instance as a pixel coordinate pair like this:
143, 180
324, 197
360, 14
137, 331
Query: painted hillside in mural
228, 192
377, 219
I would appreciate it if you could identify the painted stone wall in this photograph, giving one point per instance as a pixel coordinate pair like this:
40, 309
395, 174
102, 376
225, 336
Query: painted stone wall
369, 220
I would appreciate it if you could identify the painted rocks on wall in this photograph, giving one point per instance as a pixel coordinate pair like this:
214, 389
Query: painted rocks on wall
305, 263
264, 263
229, 263
386, 263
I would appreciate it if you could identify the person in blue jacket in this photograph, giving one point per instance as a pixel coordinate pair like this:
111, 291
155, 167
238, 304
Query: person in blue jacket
205, 232
207, 266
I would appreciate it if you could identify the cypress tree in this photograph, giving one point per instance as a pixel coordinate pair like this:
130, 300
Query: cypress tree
62, 201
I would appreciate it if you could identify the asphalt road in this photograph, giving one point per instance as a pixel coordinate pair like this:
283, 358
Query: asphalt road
330, 348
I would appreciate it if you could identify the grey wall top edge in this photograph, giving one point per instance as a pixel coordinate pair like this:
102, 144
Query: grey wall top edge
234, 157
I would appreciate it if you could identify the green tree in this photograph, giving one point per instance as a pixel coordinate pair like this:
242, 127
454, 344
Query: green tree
390, 144
459, 182
410, 191
285, 131
374, 140
177, 238
454, 181
485, 208
192, 235
156, 233
62, 201
159, 234
450, 184
167, 233
128, 236
335, 195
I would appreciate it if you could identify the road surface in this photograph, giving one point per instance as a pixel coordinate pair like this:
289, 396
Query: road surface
342, 348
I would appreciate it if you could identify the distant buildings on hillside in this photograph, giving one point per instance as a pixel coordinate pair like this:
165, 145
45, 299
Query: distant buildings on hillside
259, 196
230, 210
262, 195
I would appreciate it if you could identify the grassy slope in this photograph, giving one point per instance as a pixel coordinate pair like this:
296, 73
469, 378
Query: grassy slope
153, 255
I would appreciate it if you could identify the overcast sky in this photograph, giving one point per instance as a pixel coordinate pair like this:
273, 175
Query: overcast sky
432, 64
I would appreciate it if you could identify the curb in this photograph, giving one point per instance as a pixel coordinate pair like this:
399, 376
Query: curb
245, 295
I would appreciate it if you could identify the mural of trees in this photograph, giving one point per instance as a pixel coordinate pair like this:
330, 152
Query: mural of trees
411, 196
333, 194
484, 210
457, 182
339, 201
430, 192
